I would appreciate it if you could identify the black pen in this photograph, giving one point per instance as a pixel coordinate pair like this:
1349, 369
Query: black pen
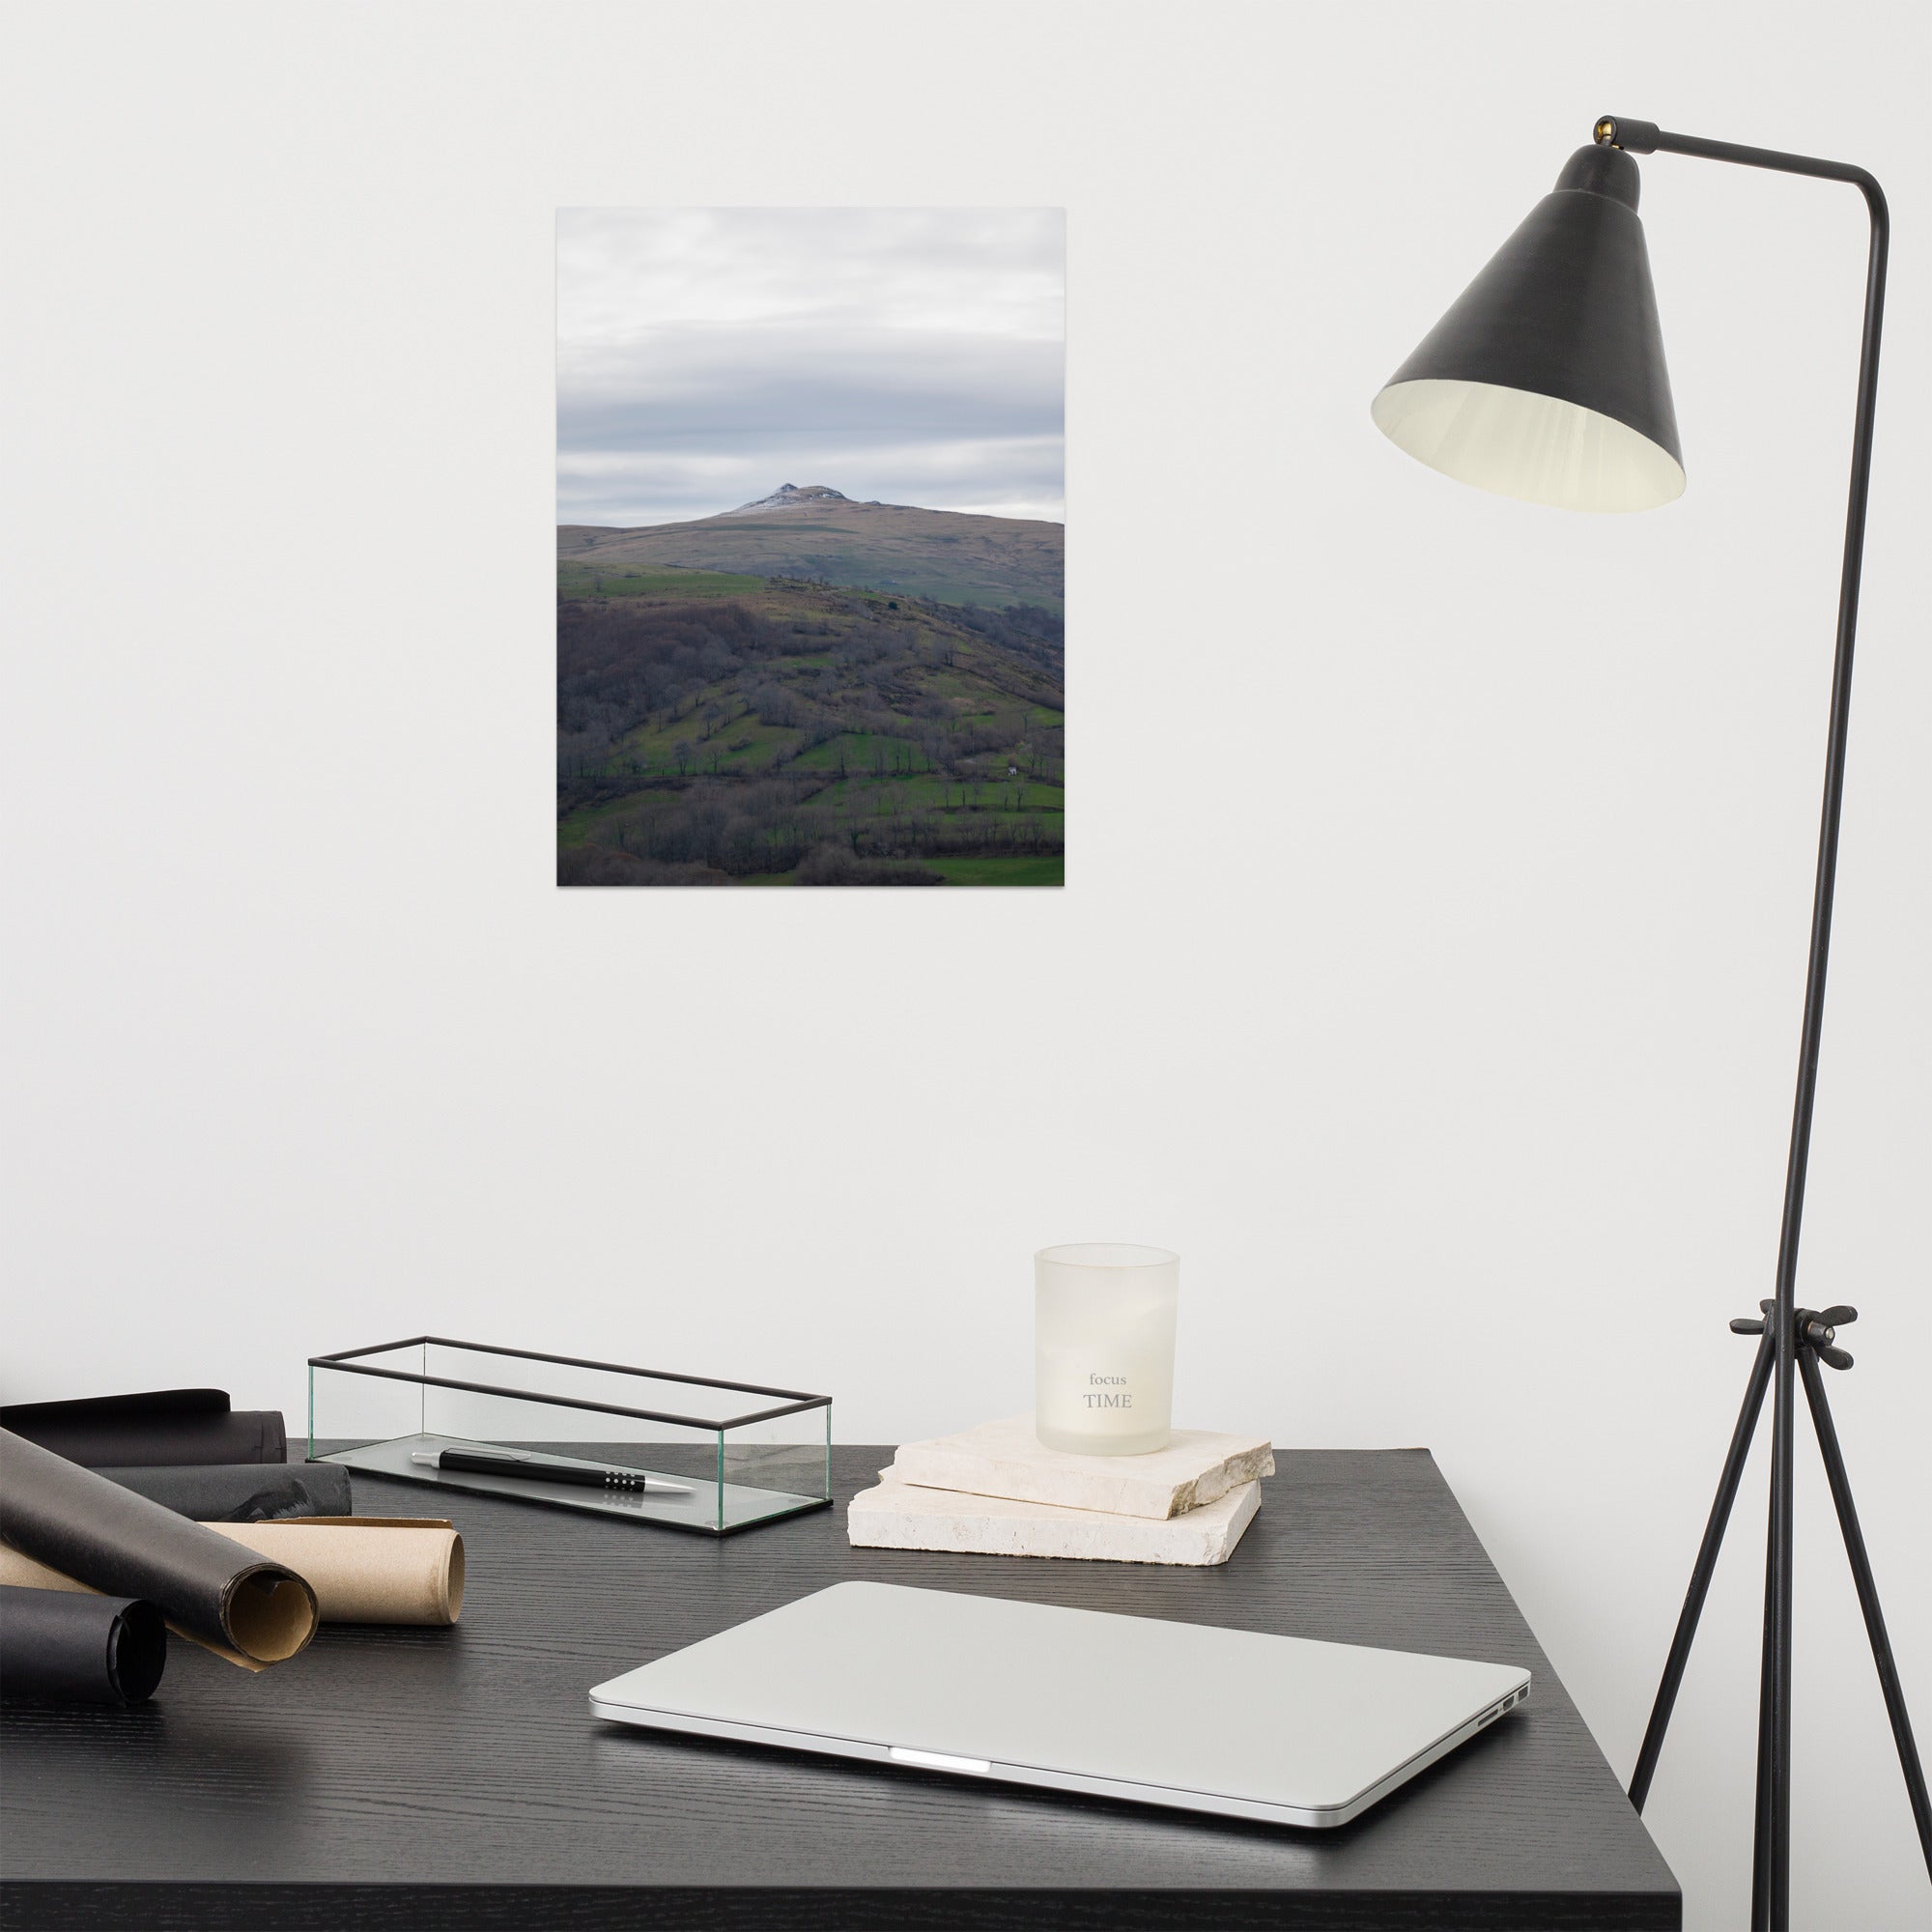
531, 1468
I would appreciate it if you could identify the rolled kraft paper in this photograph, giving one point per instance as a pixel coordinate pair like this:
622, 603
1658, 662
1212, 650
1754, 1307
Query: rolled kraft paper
79, 1649
242, 1491
363, 1569
160, 1426
18, 1572
105, 1538
367, 1570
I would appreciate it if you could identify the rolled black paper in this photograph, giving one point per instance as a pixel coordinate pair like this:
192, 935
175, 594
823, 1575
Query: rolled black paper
118, 1543
163, 1425
79, 1649
242, 1491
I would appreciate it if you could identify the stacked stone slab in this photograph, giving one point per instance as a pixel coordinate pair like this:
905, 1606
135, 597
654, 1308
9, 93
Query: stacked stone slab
996, 1490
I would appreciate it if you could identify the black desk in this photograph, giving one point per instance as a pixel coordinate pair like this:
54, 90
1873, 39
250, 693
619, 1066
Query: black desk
433, 1778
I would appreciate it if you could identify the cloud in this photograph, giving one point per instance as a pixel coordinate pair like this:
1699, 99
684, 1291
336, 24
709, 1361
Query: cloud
706, 356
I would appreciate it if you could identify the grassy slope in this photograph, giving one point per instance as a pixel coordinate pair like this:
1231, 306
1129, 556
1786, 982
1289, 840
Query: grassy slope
870, 778
591, 579
937, 553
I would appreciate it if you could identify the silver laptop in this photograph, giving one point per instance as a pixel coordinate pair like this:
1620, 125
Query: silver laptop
1278, 1728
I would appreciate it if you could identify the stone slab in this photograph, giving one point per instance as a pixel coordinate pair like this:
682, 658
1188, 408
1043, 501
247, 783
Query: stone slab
903, 1516
1007, 1458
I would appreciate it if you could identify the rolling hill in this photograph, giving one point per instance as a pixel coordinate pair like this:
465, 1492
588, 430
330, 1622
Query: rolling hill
815, 532
729, 730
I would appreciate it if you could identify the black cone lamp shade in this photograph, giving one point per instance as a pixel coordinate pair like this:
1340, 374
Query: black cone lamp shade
1546, 381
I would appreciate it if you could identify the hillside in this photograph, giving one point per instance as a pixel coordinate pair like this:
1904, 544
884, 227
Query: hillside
715, 729
815, 532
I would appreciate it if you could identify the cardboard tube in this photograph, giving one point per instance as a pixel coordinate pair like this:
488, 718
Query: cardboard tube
363, 1569
89, 1533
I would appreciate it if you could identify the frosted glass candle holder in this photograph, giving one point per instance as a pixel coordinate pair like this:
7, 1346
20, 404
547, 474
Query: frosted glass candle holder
1103, 1347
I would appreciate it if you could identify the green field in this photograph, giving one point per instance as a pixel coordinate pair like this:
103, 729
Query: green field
1043, 871
1040, 871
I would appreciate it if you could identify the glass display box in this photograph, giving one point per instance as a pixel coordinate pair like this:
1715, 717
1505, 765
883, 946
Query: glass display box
682, 1452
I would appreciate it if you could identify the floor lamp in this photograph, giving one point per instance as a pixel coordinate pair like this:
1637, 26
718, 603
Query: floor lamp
1546, 381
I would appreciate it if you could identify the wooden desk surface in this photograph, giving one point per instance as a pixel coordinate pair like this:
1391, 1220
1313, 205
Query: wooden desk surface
439, 1779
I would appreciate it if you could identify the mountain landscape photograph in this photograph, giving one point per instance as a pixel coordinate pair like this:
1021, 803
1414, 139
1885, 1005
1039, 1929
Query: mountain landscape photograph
852, 677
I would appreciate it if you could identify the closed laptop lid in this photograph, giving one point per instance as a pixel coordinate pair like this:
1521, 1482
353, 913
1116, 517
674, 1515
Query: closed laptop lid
1273, 1720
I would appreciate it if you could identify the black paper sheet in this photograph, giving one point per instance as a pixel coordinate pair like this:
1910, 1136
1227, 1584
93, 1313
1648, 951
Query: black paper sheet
58, 1644
242, 1491
160, 1427
216, 1591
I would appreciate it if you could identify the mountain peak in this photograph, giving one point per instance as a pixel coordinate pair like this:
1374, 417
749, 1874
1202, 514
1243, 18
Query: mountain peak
789, 496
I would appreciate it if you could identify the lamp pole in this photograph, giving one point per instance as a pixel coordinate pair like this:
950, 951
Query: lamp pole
1794, 1343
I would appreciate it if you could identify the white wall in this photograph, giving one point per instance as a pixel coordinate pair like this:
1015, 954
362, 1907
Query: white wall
1431, 966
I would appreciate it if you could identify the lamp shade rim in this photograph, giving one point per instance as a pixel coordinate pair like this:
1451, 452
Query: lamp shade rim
1527, 445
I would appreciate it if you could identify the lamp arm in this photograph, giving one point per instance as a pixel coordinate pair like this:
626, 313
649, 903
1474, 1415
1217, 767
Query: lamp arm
1771, 1905
1646, 138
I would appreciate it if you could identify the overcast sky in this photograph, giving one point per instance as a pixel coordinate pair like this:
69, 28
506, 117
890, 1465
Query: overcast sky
706, 356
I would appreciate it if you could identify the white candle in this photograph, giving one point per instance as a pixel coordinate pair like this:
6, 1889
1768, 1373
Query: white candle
1103, 1339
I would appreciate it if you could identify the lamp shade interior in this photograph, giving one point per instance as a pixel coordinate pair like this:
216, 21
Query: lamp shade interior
1519, 444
